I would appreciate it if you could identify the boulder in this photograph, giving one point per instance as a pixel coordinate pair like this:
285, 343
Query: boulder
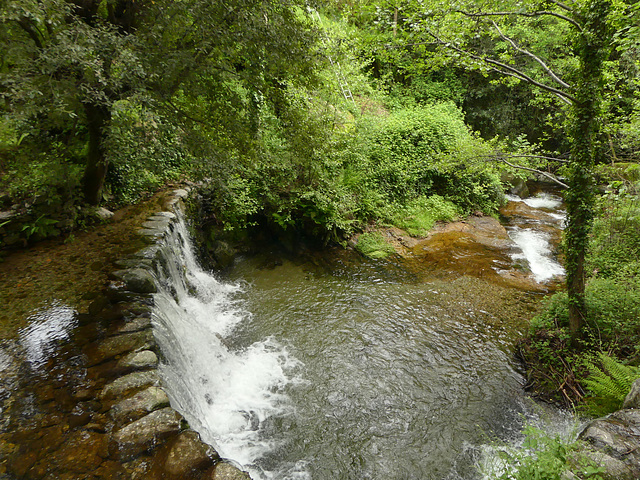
146, 433
127, 383
188, 454
139, 405
615, 441
632, 400
119, 344
137, 280
226, 471
137, 361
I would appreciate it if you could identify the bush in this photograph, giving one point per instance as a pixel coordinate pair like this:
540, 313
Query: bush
373, 245
419, 215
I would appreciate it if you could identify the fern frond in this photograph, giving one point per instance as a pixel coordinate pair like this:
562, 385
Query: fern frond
611, 380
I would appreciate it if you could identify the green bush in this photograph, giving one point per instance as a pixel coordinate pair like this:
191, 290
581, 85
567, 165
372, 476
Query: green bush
418, 216
373, 245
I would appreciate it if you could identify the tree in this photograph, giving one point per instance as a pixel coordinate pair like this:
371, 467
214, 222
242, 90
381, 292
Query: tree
66, 63
559, 49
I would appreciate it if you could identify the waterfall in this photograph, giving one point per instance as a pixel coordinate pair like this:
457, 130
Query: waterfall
226, 394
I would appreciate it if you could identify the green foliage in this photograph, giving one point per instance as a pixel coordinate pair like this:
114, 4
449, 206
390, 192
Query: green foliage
41, 226
419, 215
545, 457
373, 245
609, 382
144, 151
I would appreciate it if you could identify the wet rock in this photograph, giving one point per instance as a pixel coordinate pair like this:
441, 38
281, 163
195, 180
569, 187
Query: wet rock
632, 400
146, 433
127, 383
616, 436
134, 263
226, 471
81, 452
224, 254
137, 361
102, 213
162, 224
97, 305
137, 280
152, 234
142, 403
188, 454
79, 419
163, 215
117, 345
136, 324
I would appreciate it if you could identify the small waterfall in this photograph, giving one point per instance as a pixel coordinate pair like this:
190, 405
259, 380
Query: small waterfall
227, 395
534, 242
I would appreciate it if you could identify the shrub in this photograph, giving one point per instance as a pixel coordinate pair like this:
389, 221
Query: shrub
373, 245
419, 215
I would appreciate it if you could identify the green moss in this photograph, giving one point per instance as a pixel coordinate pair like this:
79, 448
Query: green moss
373, 245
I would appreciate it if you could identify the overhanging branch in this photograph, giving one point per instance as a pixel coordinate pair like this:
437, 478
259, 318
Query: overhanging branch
539, 13
505, 69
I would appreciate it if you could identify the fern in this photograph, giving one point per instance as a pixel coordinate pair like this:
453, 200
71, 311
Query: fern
609, 383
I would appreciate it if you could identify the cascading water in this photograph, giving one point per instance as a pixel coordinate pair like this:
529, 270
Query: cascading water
225, 395
533, 241
338, 373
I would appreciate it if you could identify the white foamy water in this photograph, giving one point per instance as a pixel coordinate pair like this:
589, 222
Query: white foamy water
541, 200
227, 395
536, 250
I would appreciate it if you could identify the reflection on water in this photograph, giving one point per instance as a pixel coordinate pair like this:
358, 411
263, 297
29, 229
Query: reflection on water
48, 326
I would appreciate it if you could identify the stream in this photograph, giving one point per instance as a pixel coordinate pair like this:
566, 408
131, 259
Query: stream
331, 366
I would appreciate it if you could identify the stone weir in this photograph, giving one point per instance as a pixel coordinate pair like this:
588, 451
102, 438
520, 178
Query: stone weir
102, 412
147, 434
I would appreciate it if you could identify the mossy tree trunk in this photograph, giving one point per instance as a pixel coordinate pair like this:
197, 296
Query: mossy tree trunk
592, 49
95, 173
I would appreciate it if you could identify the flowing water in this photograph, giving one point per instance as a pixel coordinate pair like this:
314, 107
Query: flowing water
334, 367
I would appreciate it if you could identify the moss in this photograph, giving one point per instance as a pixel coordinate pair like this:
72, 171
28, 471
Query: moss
373, 245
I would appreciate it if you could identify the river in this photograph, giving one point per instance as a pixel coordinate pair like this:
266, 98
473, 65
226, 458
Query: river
330, 366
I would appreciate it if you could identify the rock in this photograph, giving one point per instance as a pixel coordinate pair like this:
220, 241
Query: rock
117, 345
618, 437
632, 400
224, 254
137, 361
136, 324
122, 385
146, 433
97, 305
163, 215
188, 454
153, 234
137, 280
181, 193
142, 403
157, 224
226, 471
102, 213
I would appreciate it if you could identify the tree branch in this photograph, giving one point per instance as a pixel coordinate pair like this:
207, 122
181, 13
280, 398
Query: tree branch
538, 13
551, 177
505, 69
546, 68
32, 30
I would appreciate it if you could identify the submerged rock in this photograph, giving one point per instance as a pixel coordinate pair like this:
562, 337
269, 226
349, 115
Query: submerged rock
137, 280
146, 433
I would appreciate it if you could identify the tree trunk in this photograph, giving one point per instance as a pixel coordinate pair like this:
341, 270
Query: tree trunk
98, 117
592, 49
